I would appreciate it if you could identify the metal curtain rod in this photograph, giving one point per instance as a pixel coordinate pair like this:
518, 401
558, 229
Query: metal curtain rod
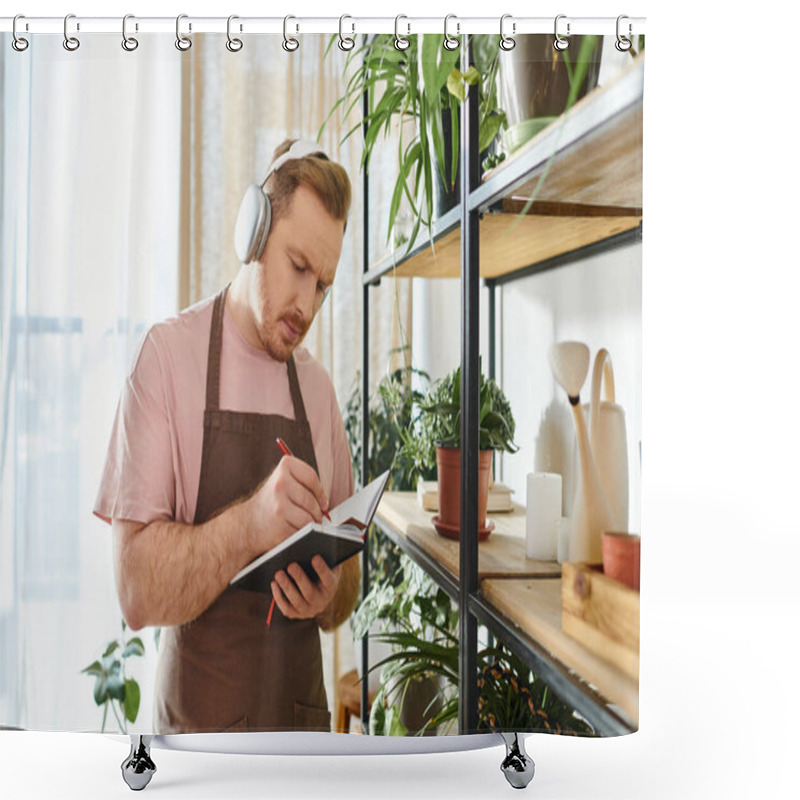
352, 25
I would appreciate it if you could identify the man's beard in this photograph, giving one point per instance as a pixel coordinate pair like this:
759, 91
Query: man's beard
272, 334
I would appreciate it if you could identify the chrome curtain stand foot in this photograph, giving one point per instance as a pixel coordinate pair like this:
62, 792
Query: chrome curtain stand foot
138, 768
518, 766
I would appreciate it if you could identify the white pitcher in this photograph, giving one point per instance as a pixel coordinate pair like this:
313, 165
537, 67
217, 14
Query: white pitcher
609, 440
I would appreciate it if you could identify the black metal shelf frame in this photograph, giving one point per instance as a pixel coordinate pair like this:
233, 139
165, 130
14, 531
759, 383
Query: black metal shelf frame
476, 199
558, 139
572, 689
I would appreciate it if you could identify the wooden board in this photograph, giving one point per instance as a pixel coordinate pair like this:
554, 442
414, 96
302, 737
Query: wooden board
509, 242
590, 172
502, 554
534, 605
609, 171
602, 614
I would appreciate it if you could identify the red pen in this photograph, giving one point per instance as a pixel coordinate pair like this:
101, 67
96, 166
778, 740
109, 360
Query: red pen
287, 452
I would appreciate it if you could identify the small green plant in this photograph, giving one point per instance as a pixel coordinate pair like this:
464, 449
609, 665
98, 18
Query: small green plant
112, 688
438, 422
391, 411
421, 624
512, 698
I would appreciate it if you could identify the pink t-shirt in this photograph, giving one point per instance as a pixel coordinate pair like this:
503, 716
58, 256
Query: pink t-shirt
152, 468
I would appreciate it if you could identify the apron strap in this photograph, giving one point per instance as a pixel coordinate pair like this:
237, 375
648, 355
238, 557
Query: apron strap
215, 360
294, 389
215, 352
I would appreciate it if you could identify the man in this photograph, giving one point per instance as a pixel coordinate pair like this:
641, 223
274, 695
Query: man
195, 485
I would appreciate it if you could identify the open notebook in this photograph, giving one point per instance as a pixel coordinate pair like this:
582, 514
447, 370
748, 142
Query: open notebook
335, 540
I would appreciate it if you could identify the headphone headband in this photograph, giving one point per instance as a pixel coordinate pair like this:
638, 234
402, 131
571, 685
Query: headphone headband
302, 148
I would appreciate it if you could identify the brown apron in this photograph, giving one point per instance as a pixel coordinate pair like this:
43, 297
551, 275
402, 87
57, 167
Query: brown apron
226, 670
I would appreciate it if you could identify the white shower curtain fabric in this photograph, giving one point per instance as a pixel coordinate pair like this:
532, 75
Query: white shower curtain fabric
89, 258
122, 173
121, 178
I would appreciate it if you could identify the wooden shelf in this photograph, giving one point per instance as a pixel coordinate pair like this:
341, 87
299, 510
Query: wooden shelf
534, 606
591, 160
501, 555
524, 591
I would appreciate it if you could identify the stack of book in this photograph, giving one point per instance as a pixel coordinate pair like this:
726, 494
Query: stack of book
499, 497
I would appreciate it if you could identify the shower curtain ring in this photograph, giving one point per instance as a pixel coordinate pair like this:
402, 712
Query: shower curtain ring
70, 42
18, 42
623, 43
450, 42
128, 42
290, 44
400, 42
233, 44
561, 42
507, 42
182, 42
346, 42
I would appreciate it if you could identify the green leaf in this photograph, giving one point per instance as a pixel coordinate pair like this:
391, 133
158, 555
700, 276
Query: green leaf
489, 128
393, 724
472, 76
581, 68
430, 65
112, 646
100, 692
94, 668
115, 687
455, 86
135, 647
447, 60
132, 699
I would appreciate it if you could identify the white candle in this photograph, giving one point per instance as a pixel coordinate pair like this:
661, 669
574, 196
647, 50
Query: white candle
542, 515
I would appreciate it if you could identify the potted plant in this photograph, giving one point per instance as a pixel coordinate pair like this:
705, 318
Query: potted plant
437, 439
391, 408
539, 83
423, 84
112, 688
419, 674
511, 697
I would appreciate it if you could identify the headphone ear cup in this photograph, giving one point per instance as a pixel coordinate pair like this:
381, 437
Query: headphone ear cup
252, 224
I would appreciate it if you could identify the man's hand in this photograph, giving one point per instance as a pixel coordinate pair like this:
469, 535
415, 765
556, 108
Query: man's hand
298, 597
288, 499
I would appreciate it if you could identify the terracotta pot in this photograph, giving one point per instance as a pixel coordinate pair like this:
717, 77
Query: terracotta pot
448, 464
622, 558
420, 702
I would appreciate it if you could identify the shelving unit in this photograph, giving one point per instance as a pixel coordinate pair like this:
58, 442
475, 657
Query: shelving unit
589, 165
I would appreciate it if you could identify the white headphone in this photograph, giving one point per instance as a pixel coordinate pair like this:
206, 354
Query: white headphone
255, 211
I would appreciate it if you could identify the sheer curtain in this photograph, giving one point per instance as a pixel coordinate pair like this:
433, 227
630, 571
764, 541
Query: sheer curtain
121, 178
89, 237
237, 108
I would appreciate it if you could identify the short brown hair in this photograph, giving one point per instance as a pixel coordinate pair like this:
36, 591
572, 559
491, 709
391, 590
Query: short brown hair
328, 180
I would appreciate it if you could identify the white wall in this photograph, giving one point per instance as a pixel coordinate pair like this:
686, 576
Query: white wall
598, 301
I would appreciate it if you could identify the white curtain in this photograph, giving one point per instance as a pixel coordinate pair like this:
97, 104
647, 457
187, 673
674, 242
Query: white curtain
237, 107
121, 177
89, 237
